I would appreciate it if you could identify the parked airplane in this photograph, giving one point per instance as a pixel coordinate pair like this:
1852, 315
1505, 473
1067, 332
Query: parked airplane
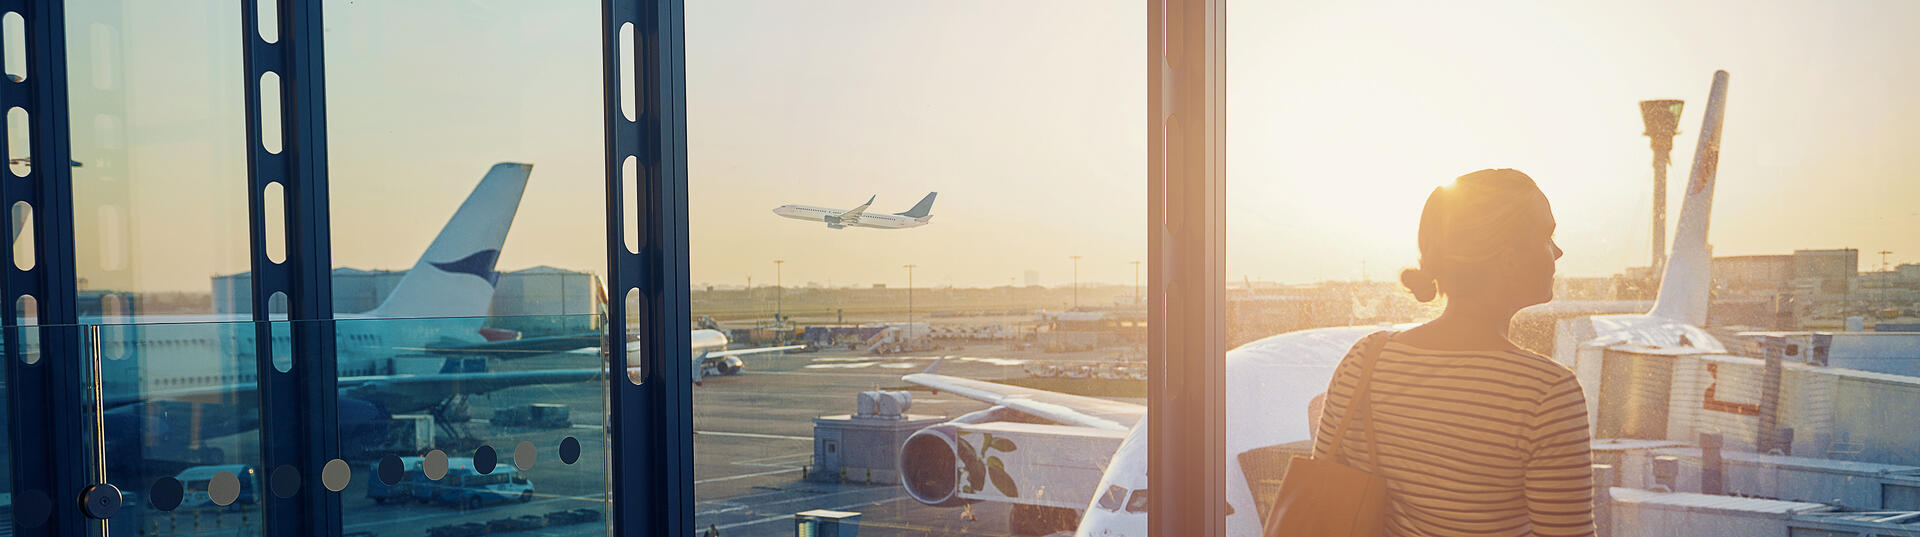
710, 355
857, 216
1002, 453
177, 380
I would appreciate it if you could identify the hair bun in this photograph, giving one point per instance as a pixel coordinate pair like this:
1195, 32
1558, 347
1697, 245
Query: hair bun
1421, 283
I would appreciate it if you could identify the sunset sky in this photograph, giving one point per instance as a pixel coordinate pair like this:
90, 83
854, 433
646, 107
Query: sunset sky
1030, 122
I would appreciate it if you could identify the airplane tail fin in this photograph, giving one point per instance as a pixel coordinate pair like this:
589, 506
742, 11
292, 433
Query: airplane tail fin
922, 209
455, 277
1684, 285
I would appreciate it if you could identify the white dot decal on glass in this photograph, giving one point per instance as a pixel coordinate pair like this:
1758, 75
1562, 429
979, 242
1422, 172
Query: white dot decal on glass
523, 456
435, 464
223, 489
335, 475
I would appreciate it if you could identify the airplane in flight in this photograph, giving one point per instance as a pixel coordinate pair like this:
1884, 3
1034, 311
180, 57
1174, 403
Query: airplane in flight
1094, 478
918, 216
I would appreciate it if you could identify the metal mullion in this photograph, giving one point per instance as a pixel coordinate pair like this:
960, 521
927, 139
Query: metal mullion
298, 408
1186, 101
625, 413
51, 458
651, 425
663, 114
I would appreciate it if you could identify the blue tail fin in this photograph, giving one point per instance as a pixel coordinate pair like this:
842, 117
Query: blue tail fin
455, 277
922, 209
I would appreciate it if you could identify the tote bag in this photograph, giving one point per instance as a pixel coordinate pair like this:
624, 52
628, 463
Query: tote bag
1328, 497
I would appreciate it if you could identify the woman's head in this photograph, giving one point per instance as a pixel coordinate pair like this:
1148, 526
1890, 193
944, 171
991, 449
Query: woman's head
1486, 239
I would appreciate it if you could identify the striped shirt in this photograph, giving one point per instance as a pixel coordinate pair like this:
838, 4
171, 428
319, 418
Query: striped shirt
1471, 442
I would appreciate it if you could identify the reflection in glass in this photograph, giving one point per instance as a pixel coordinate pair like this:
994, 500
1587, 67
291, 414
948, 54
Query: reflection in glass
180, 418
465, 139
467, 176
443, 430
157, 132
182, 410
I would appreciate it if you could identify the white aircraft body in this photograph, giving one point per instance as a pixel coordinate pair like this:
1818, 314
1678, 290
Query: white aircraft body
177, 380
710, 355
1269, 385
918, 216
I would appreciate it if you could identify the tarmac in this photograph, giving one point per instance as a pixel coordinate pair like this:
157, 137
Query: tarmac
753, 446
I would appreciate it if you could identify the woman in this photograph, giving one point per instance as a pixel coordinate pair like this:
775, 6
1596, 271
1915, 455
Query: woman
1476, 436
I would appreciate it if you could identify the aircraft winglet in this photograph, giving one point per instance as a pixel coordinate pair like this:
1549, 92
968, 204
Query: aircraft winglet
935, 368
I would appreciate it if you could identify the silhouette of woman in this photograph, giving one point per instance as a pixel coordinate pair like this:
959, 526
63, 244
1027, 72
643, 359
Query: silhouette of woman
1476, 436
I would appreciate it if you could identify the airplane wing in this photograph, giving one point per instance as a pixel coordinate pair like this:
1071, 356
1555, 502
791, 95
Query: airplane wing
438, 385
1058, 407
522, 347
743, 352
634, 346
852, 216
442, 385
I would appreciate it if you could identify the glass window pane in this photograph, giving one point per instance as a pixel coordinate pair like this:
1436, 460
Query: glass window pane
157, 126
465, 141
156, 122
468, 186
930, 192
1694, 352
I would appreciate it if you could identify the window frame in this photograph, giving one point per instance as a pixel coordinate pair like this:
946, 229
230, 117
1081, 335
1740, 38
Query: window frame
650, 425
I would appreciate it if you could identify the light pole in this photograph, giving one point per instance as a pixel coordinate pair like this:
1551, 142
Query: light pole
779, 293
1884, 276
1136, 283
1076, 282
909, 268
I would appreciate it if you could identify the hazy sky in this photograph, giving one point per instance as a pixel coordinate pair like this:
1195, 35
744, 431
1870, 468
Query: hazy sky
1029, 119
1344, 117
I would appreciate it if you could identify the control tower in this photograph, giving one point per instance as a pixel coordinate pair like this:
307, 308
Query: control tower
1663, 122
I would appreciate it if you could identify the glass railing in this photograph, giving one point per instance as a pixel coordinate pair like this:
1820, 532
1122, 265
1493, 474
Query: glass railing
447, 426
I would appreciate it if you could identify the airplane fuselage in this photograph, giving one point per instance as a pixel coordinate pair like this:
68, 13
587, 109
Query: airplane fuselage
833, 218
1270, 382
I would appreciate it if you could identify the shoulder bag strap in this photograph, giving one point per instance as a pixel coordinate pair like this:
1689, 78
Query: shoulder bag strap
1365, 398
1369, 351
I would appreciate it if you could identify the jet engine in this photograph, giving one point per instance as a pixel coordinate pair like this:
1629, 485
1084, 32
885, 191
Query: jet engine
731, 365
930, 466
931, 459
